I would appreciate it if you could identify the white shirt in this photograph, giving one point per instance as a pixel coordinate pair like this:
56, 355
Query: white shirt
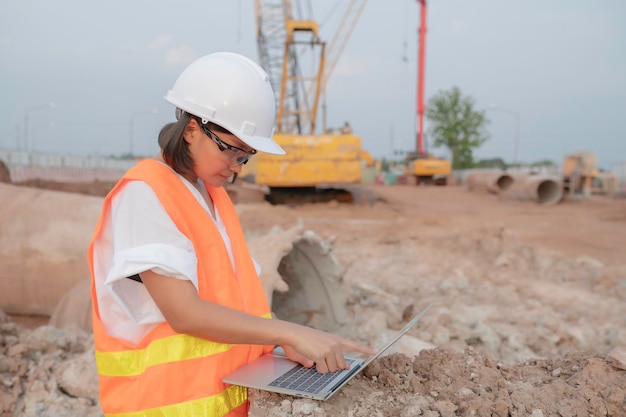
138, 235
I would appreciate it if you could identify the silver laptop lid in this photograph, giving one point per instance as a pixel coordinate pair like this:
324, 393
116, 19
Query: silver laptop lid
382, 350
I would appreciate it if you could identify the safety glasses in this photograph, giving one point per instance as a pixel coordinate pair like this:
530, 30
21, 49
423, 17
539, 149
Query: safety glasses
235, 155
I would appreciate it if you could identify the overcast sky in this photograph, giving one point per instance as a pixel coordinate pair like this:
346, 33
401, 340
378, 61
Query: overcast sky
559, 66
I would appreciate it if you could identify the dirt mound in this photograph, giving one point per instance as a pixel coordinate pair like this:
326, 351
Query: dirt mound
439, 382
52, 371
46, 371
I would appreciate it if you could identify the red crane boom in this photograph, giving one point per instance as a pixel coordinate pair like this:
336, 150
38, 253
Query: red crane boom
420, 78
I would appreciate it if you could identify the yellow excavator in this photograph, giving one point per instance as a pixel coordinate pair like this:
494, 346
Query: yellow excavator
318, 166
425, 169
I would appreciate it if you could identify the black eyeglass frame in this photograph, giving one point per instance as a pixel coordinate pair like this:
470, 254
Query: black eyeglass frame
223, 146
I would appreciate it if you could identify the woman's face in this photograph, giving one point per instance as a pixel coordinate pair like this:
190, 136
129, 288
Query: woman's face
212, 165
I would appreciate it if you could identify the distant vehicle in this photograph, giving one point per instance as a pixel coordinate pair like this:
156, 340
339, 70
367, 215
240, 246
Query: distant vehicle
428, 169
581, 176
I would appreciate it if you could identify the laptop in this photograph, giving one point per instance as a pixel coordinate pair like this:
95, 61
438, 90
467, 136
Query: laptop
277, 373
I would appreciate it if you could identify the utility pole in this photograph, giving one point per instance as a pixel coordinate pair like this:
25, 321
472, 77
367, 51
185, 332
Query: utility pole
24, 143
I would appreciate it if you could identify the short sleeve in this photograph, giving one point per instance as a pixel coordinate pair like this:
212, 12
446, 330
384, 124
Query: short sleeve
145, 238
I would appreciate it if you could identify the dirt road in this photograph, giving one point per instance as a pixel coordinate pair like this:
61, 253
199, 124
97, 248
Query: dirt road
595, 226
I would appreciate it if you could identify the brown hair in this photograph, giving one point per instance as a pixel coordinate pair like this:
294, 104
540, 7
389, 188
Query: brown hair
174, 148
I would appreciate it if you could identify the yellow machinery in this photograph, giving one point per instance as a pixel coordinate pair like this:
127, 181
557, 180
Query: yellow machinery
578, 170
317, 167
428, 170
368, 159
581, 176
312, 160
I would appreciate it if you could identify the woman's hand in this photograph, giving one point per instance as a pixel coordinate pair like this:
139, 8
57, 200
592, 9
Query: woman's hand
324, 350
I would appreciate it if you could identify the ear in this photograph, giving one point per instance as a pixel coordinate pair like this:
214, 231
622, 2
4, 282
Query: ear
192, 130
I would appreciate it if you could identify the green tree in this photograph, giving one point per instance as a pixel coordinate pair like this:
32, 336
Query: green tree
543, 163
491, 163
456, 125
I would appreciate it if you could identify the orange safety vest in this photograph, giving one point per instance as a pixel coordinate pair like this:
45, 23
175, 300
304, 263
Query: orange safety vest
170, 374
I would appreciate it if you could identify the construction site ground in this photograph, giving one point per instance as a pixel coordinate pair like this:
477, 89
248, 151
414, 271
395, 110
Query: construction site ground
528, 313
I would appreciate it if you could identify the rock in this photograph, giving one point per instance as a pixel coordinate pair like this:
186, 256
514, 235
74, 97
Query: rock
303, 407
589, 262
79, 377
617, 358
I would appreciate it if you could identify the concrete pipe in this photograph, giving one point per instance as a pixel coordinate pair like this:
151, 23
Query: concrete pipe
538, 188
314, 298
300, 277
494, 182
74, 309
43, 246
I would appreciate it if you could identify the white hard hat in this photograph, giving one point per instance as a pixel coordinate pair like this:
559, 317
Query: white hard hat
233, 92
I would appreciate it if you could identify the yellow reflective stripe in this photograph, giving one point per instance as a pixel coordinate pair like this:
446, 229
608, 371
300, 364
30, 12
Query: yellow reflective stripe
215, 406
165, 350
169, 349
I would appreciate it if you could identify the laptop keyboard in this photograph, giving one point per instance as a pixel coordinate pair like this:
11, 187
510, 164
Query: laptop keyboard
304, 379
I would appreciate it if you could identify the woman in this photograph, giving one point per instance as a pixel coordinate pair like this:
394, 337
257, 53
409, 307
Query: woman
177, 299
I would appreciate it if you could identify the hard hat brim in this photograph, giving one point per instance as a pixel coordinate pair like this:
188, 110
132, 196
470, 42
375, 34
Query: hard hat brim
261, 144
